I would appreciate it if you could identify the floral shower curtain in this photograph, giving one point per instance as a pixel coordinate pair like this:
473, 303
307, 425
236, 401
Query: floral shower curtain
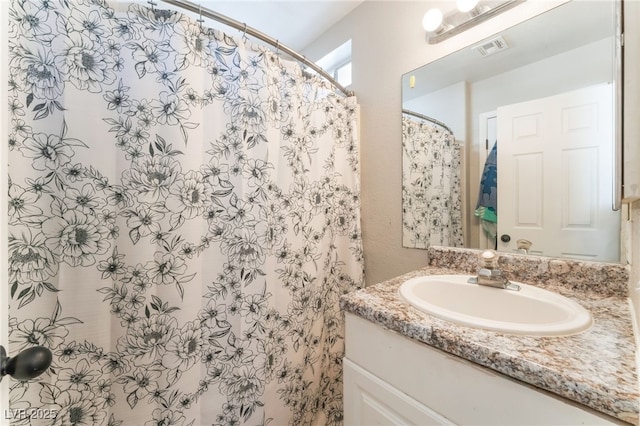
431, 199
183, 218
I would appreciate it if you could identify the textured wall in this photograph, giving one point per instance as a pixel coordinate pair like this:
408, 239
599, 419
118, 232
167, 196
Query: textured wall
632, 146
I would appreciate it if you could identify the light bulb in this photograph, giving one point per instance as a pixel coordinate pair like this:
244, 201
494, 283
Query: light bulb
466, 5
432, 20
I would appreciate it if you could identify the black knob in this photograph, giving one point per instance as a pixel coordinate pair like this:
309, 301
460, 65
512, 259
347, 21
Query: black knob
28, 364
505, 238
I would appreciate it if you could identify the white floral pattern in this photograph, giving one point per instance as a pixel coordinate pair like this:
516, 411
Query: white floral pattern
431, 199
183, 218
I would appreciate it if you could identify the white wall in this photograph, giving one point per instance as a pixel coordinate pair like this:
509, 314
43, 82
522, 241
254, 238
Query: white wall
632, 148
448, 105
388, 41
634, 281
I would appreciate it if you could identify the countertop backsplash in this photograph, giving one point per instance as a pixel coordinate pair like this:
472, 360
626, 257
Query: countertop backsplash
607, 279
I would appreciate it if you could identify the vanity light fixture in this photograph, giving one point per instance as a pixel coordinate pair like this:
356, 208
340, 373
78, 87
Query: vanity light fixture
432, 22
471, 7
469, 13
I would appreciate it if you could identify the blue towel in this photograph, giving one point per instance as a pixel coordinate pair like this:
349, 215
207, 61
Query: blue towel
487, 207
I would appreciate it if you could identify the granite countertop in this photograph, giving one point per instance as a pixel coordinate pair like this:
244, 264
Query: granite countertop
596, 368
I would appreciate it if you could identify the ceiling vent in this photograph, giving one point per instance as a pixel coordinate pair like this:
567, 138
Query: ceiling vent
491, 46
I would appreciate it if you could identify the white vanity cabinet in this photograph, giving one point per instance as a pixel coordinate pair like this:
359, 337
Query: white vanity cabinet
390, 379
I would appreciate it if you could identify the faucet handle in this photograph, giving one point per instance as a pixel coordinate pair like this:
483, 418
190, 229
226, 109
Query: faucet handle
524, 244
488, 259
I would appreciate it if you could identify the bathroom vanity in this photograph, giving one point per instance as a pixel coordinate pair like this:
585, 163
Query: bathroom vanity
404, 366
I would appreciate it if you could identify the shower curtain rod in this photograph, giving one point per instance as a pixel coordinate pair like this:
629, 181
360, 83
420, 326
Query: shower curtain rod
425, 117
203, 11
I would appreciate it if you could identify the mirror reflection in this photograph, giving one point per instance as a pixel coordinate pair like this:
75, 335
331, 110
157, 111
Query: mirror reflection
508, 143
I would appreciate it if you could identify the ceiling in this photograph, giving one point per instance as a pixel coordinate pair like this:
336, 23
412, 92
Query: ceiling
294, 23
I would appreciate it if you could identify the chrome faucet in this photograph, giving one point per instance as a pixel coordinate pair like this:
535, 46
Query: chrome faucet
490, 275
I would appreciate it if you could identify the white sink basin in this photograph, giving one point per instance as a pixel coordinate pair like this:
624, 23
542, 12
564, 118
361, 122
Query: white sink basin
530, 311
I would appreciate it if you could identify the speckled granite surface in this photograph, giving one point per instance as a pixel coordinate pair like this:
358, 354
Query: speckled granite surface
606, 278
595, 368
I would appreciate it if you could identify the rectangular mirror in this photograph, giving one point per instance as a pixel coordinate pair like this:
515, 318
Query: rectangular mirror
509, 143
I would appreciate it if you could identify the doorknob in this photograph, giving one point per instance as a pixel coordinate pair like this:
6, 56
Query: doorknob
505, 238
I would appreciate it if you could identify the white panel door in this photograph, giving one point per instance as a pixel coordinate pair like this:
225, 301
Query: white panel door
555, 176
